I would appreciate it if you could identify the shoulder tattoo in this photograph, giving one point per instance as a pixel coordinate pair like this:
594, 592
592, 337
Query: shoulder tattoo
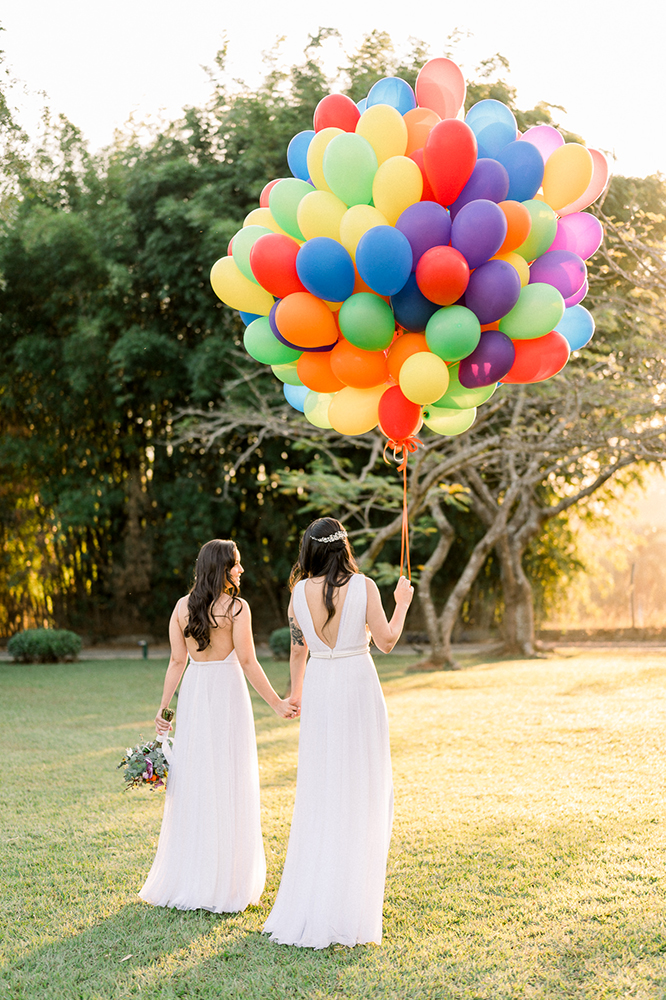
296, 634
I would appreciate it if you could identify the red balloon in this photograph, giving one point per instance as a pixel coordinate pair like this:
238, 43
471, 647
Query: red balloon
442, 275
428, 193
273, 263
266, 190
538, 359
337, 111
398, 416
449, 157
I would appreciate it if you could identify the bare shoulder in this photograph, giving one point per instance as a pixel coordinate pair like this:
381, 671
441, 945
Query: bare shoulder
370, 586
181, 610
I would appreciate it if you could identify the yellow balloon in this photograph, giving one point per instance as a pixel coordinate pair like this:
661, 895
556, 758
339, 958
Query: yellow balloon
316, 150
320, 214
315, 409
385, 130
263, 217
448, 422
567, 174
355, 223
237, 291
398, 184
520, 264
355, 411
424, 377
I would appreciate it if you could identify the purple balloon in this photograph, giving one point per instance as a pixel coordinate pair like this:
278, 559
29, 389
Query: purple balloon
489, 180
287, 343
573, 300
425, 224
489, 362
493, 290
562, 269
579, 232
478, 231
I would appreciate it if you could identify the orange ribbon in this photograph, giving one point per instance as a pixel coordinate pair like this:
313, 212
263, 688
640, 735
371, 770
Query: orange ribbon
401, 452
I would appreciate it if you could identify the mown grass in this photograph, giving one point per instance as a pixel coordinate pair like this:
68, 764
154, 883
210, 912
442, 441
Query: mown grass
527, 859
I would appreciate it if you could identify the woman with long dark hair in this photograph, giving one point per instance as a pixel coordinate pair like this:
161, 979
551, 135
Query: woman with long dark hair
332, 888
210, 853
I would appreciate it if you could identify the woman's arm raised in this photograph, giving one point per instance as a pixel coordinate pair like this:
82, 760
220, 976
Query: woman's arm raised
175, 670
244, 646
385, 633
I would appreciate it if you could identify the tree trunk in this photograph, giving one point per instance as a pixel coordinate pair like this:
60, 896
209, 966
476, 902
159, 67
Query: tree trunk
518, 620
440, 655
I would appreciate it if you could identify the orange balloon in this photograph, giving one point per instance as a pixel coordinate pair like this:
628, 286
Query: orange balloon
419, 122
306, 321
402, 348
518, 225
357, 368
316, 373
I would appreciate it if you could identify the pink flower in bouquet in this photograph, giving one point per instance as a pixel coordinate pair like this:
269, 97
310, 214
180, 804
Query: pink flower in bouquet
148, 773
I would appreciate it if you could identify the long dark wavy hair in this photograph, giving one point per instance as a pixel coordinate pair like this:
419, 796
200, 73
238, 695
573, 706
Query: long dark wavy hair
332, 560
211, 580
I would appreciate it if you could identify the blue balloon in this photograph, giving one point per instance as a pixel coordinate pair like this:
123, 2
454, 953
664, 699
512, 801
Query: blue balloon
392, 90
384, 259
248, 318
295, 395
362, 104
525, 170
489, 180
297, 154
411, 308
494, 126
326, 269
576, 326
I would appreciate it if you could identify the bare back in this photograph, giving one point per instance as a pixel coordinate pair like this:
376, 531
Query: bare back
314, 595
221, 638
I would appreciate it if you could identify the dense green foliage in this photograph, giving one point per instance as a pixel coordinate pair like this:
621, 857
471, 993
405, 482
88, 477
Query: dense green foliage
44, 645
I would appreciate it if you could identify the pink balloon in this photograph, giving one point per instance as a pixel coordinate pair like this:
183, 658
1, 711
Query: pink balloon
594, 188
441, 87
578, 296
580, 232
546, 139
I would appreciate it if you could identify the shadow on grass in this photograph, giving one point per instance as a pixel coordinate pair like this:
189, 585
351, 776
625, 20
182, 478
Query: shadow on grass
165, 953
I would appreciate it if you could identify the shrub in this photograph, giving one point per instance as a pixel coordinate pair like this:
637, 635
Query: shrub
44, 645
280, 643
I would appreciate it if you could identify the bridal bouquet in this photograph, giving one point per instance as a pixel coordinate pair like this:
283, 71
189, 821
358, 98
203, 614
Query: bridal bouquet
145, 764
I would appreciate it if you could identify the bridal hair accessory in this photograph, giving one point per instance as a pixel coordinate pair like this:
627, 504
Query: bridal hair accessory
332, 538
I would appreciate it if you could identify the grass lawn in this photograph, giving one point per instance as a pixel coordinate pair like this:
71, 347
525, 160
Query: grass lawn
527, 858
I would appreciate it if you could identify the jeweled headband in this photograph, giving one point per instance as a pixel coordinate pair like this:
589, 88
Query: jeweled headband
332, 538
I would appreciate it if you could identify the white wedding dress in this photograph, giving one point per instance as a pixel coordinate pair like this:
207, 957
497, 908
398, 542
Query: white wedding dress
332, 888
210, 853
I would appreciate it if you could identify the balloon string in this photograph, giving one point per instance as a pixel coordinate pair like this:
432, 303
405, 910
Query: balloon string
401, 452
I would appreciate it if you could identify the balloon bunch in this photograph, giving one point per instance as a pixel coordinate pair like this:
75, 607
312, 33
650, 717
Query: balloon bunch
416, 258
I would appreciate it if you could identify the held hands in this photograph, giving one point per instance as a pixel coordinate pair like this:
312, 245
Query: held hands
403, 593
286, 710
161, 725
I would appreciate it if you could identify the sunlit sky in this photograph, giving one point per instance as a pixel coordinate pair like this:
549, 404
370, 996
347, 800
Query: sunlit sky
99, 62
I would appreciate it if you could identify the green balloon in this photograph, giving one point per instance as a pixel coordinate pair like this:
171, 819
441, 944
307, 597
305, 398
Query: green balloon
241, 245
542, 232
459, 397
283, 202
350, 164
453, 332
448, 422
262, 345
539, 309
367, 321
287, 373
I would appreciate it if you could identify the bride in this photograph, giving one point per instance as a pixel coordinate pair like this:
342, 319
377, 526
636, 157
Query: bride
332, 888
210, 853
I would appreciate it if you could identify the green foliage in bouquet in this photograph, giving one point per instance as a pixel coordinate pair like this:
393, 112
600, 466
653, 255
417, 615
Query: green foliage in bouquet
44, 645
280, 643
145, 764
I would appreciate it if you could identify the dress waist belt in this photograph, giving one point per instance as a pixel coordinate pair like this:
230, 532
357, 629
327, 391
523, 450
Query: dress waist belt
332, 654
